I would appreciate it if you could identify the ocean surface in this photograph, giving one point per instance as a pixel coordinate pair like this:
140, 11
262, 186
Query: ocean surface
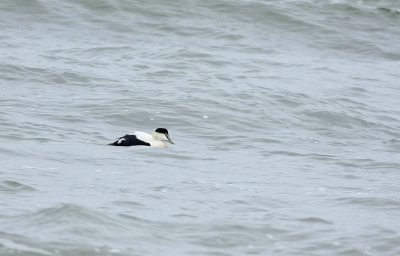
285, 115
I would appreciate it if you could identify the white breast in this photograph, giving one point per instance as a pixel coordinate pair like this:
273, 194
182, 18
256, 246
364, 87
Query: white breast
158, 144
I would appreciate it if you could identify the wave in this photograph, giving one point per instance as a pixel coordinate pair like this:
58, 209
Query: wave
14, 186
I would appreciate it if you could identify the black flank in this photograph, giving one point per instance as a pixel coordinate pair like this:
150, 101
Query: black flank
129, 140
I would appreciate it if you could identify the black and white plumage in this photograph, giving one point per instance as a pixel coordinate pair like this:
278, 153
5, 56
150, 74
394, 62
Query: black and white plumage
160, 139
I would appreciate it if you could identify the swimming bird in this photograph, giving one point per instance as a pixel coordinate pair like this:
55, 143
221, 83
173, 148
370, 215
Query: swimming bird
159, 138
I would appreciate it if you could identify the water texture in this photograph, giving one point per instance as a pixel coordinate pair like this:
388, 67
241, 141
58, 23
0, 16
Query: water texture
285, 116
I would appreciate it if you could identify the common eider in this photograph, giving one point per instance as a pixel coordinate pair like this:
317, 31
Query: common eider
160, 139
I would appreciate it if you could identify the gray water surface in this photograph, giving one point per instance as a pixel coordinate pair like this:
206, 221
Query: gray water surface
285, 116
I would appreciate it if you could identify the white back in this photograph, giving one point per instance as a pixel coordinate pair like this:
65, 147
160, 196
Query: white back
154, 140
143, 136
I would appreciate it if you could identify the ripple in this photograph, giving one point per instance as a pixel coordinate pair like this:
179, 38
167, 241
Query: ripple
315, 220
70, 215
11, 246
14, 186
372, 203
340, 119
130, 204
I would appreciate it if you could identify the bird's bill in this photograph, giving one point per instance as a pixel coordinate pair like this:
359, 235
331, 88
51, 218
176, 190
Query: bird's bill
169, 140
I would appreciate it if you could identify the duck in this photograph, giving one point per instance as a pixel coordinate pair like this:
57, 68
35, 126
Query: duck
159, 139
